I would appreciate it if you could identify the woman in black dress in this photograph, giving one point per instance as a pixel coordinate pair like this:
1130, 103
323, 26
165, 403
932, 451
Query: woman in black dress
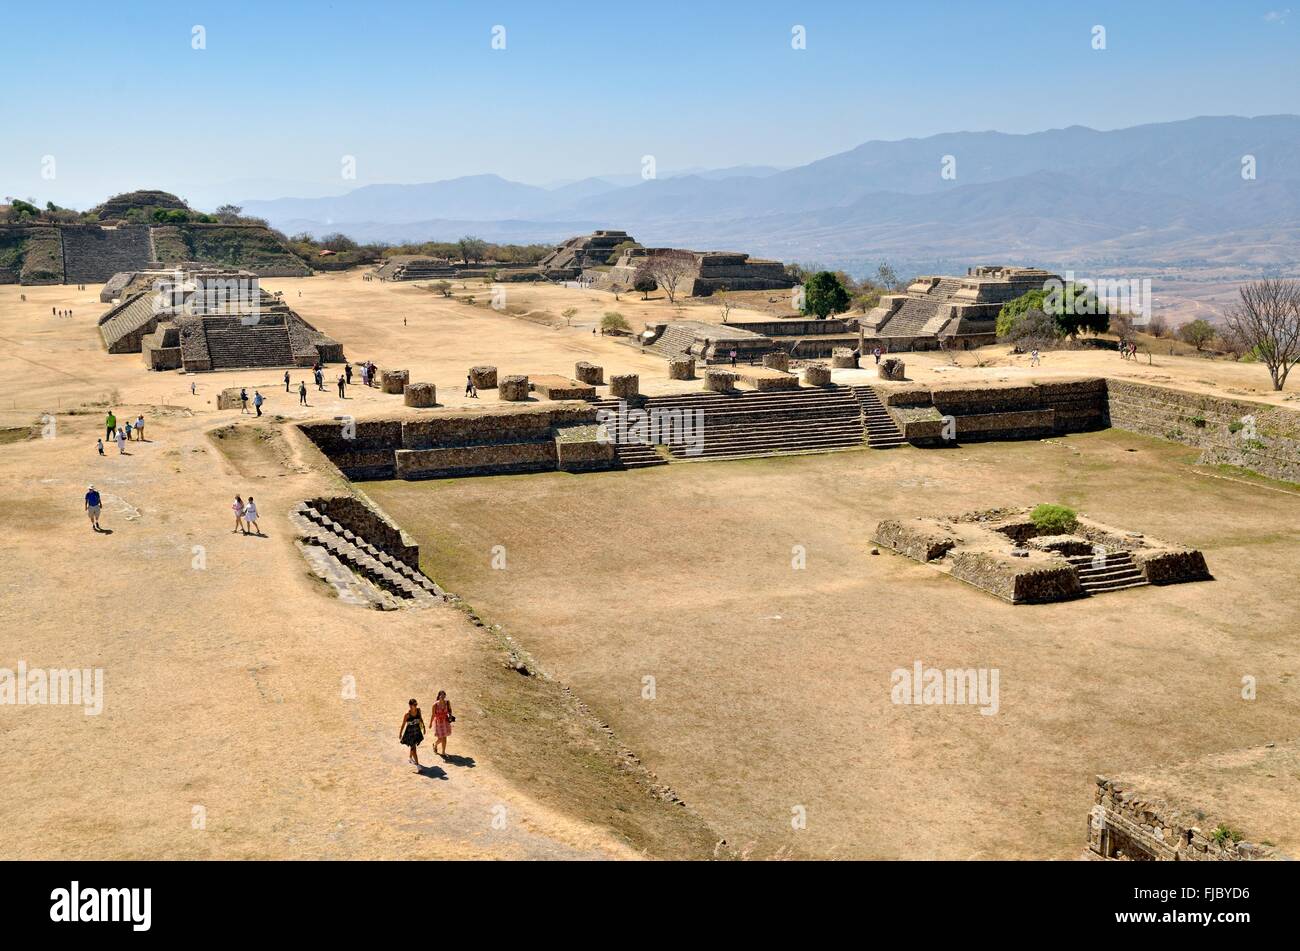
412, 730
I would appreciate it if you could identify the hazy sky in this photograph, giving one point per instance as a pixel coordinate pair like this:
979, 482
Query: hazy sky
118, 96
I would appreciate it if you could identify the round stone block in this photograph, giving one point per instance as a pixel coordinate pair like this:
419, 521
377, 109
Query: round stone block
720, 381
589, 373
681, 368
513, 388
485, 378
817, 374
842, 358
777, 360
420, 394
891, 368
394, 381
623, 385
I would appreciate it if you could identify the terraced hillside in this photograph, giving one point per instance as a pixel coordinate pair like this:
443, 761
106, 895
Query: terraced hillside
251, 247
30, 254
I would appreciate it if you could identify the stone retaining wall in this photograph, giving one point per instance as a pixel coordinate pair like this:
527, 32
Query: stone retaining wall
363, 519
1254, 436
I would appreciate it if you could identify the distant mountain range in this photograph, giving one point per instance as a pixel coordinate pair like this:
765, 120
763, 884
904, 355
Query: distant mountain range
1162, 194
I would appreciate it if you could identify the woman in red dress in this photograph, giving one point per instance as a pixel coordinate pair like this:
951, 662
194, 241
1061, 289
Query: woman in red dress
442, 721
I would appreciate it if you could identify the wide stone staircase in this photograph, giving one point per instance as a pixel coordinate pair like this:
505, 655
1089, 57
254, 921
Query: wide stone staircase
92, 255
233, 344
673, 342
749, 424
631, 455
882, 431
359, 571
909, 320
1114, 571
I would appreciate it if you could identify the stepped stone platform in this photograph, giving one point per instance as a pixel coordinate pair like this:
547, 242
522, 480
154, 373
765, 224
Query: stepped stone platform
947, 312
584, 251
1004, 553
93, 254
211, 319
415, 268
709, 271
705, 342
766, 378
1231, 806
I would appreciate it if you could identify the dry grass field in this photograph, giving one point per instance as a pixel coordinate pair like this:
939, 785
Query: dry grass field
772, 685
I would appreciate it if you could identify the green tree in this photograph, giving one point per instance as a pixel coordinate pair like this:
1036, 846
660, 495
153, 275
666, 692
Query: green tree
472, 249
1197, 332
825, 294
644, 281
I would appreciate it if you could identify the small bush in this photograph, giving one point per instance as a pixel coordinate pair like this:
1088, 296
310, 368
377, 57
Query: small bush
1223, 833
613, 322
1054, 519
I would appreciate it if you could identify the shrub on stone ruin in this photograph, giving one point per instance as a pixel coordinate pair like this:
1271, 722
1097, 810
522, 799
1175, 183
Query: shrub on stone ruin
1054, 519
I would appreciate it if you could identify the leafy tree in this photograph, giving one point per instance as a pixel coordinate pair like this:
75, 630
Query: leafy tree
472, 249
568, 314
228, 213
825, 294
1072, 307
1197, 332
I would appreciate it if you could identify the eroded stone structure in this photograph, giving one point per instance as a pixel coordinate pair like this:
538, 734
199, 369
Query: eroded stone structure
211, 319
949, 312
708, 271
1004, 553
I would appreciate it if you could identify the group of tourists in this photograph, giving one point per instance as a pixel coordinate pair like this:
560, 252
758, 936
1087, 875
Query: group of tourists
413, 728
470, 389
55, 312
245, 516
1128, 350
369, 373
122, 434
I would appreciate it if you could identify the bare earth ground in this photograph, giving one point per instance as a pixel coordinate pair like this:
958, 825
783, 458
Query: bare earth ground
773, 684
225, 682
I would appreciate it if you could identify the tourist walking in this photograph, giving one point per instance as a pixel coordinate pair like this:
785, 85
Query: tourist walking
258, 400
99, 444
442, 721
193, 388
342, 396
411, 731
733, 356
139, 427
1033, 358
347, 372
238, 509
302, 393
110, 425
93, 505
320, 380
876, 353
120, 439
470, 389
243, 400
286, 381
250, 517
127, 429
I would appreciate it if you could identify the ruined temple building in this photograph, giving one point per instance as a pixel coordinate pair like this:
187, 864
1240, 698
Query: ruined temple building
948, 312
210, 319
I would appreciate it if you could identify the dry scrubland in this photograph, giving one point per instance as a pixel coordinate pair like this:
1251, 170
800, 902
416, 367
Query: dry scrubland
224, 684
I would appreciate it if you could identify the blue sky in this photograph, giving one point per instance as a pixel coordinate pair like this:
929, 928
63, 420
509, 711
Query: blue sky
415, 91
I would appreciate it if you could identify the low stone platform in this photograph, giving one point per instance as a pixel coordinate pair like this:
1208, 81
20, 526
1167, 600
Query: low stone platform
556, 387
1004, 553
765, 379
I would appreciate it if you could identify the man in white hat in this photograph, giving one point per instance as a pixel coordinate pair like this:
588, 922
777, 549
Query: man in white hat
93, 504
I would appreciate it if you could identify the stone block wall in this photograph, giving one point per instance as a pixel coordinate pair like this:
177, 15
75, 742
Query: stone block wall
817, 374
1018, 580
681, 368
513, 389
624, 386
475, 460
1254, 436
364, 519
420, 394
485, 377
720, 381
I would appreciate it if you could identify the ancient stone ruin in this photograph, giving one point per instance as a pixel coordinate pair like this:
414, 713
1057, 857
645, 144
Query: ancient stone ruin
1006, 554
570, 259
212, 319
708, 271
950, 312
1208, 809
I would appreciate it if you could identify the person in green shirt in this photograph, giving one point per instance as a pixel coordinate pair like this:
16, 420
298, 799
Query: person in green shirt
110, 425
